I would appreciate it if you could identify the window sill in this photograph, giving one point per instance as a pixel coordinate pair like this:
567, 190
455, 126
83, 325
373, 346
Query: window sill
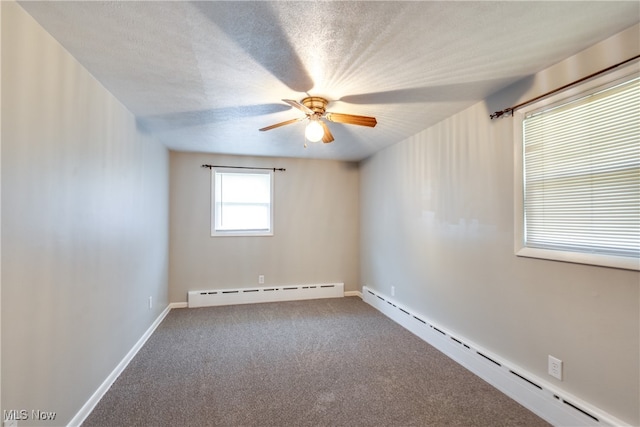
241, 233
625, 263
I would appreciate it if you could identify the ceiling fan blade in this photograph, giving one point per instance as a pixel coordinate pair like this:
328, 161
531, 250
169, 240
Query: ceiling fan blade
299, 106
277, 125
351, 119
327, 137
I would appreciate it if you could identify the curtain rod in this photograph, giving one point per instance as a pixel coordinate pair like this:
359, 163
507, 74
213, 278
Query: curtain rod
510, 110
243, 167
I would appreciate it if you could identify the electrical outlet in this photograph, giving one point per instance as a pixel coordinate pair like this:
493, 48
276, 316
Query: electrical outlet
150, 302
555, 367
261, 279
393, 291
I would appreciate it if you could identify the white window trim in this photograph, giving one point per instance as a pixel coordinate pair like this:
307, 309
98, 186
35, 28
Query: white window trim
608, 79
239, 233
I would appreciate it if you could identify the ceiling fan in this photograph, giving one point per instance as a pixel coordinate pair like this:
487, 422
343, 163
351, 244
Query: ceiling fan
314, 108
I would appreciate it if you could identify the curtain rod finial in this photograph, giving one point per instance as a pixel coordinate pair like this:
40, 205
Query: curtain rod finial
507, 112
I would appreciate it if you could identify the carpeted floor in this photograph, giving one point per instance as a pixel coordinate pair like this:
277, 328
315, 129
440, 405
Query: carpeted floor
329, 362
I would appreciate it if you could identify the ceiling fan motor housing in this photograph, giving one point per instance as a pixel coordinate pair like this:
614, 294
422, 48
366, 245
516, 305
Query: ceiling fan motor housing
316, 104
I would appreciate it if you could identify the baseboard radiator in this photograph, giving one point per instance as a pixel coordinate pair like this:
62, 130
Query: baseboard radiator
555, 406
266, 294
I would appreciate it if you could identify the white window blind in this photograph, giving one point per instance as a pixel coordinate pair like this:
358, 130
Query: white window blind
242, 203
581, 165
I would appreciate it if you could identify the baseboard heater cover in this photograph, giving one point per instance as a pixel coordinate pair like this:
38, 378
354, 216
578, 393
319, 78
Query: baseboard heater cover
217, 297
557, 407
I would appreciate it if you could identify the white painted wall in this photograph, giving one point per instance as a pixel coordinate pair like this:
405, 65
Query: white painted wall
84, 225
316, 227
438, 224
85, 219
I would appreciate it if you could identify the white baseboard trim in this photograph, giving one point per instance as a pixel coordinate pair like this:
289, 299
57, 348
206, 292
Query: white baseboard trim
178, 305
548, 402
353, 294
86, 409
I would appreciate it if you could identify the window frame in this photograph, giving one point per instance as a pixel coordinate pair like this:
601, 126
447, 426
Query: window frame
241, 232
604, 81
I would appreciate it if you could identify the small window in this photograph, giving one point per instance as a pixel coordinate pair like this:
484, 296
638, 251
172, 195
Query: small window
242, 203
579, 194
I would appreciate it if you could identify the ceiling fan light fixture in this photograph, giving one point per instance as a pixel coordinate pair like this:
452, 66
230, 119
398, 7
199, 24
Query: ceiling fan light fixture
314, 131
315, 108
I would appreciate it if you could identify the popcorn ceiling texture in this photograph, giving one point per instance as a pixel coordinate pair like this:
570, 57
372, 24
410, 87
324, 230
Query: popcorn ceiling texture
205, 76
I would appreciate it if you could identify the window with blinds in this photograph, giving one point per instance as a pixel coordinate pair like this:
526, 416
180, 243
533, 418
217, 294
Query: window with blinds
242, 203
581, 178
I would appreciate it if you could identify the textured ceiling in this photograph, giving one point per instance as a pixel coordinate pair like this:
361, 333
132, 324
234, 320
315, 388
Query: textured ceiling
205, 76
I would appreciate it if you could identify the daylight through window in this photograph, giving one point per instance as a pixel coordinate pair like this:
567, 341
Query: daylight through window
242, 202
581, 178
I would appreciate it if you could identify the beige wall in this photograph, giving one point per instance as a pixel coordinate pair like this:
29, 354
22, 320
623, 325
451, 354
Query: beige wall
84, 226
316, 231
85, 217
437, 223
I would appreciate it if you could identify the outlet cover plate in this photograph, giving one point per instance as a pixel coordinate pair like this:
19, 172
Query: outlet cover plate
555, 367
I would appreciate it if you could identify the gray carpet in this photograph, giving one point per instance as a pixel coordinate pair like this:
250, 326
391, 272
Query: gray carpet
329, 362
